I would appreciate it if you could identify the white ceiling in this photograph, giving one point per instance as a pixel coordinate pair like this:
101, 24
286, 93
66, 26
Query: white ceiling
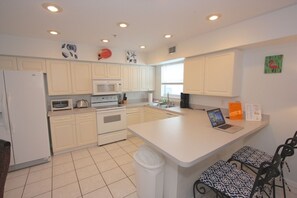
89, 21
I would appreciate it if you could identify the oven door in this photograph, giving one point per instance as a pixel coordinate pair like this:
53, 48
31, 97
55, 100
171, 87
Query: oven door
111, 120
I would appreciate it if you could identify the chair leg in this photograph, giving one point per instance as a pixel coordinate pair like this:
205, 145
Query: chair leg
273, 188
283, 181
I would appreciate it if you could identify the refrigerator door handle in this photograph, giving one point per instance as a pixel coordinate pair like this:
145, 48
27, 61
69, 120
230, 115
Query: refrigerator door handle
5, 113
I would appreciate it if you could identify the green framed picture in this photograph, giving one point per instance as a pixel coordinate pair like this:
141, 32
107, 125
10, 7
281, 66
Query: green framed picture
273, 64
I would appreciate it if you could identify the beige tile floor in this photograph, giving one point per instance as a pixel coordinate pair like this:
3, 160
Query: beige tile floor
101, 172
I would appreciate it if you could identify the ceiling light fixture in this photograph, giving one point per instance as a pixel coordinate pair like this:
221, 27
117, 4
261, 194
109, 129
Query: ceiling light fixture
142, 46
123, 24
213, 17
105, 40
52, 7
167, 35
53, 32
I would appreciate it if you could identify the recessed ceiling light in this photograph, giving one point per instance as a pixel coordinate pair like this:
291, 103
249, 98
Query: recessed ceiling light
123, 24
52, 7
213, 17
167, 35
105, 40
53, 32
142, 46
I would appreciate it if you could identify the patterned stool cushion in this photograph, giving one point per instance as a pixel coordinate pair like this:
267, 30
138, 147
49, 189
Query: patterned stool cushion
227, 179
251, 156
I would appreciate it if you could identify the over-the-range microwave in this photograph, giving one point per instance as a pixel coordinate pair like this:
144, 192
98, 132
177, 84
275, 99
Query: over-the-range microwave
106, 86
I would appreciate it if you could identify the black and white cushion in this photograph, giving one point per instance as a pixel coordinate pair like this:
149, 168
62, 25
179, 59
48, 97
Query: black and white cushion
251, 156
227, 179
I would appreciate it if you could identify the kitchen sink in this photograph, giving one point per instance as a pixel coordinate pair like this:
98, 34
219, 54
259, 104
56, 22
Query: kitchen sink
165, 106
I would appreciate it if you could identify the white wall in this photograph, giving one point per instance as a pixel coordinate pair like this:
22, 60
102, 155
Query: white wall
31, 47
276, 93
267, 27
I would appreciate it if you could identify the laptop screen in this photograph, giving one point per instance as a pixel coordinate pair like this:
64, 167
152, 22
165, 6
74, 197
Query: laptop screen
216, 117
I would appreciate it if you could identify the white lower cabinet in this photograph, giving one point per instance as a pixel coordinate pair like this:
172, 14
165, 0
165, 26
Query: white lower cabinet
151, 114
134, 116
70, 131
86, 128
63, 132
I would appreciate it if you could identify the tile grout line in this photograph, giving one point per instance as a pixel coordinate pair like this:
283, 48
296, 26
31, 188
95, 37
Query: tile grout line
76, 175
100, 173
23, 193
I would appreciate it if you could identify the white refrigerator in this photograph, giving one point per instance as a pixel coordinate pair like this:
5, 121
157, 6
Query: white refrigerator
23, 117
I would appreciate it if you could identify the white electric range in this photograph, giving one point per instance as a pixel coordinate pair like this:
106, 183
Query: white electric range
111, 119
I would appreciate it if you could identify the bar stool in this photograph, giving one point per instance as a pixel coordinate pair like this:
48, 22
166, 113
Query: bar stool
252, 158
228, 181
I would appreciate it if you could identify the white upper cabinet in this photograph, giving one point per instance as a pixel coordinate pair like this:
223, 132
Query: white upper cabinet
137, 78
106, 71
223, 74
58, 77
114, 71
217, 74
150, 78
143, 71
67, 78
134, 78
194, 75
81, 77
8, 63
125, 78
31, 64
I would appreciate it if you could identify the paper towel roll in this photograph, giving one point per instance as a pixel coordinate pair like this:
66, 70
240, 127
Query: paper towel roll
150, 98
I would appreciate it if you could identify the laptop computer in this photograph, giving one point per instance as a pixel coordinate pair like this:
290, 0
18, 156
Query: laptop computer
218, 122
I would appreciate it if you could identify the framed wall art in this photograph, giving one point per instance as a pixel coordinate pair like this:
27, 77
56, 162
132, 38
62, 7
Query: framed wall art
273, 64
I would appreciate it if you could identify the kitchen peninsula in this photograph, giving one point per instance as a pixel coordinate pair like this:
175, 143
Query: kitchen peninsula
189, 145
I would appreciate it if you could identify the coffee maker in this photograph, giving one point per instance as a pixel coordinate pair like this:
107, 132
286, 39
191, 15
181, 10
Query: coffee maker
184, 100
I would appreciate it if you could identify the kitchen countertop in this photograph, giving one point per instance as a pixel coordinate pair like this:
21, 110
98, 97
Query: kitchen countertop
189, 139
69, 112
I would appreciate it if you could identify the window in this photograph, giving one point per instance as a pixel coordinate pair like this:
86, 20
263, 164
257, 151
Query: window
172, 78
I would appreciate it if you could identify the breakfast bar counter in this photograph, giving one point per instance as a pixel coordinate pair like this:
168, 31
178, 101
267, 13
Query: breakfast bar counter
189, 145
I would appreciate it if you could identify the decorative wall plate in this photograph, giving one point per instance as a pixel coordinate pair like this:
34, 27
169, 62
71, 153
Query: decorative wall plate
104, 53
131, 56
69, 51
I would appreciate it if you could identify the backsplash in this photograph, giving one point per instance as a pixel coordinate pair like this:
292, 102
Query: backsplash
73, 97
213, 101
132, 97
